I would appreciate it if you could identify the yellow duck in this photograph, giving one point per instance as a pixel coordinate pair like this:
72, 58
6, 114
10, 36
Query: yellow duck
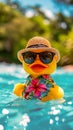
39, 60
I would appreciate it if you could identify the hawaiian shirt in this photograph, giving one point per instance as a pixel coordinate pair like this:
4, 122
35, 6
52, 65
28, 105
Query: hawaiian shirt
38, 87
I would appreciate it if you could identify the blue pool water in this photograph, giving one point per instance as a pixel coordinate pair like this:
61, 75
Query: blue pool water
20, 114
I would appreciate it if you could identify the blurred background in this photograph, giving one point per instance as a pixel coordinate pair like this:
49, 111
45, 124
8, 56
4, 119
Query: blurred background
22, 19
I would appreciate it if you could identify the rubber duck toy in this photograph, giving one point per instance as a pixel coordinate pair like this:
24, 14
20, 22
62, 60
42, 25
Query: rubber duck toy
39, 60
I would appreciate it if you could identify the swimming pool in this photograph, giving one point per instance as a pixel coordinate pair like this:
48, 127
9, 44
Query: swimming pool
20, 114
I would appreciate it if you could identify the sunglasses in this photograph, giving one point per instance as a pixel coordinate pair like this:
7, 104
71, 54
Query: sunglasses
45, 57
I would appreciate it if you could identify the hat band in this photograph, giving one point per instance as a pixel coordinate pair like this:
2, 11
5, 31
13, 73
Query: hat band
37, 45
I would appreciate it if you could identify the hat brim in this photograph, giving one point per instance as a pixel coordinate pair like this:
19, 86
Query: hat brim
40, 49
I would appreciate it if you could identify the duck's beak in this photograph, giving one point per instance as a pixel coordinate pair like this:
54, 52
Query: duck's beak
38, 66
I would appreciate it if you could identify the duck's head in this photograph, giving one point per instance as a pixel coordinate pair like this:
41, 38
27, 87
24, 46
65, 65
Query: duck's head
39, 57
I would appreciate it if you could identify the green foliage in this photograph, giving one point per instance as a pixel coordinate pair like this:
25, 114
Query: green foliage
13, 29
16, 29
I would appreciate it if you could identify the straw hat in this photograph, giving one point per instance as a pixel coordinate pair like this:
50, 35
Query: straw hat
38, 43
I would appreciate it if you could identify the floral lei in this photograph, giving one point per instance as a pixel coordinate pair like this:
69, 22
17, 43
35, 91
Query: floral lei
38, 87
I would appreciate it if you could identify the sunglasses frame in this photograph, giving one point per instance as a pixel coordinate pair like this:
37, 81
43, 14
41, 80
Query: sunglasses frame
35, 54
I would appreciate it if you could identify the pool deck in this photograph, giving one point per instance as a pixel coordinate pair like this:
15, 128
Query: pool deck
68, 68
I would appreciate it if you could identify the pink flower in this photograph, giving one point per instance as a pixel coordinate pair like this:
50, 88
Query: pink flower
45, 76
36, 88
35, 81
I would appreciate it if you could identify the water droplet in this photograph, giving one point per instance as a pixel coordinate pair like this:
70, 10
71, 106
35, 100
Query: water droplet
5, 111
69, 103
52, 108
56, 118
1, 127
63, 120
59, 106
55, 112
51, 121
